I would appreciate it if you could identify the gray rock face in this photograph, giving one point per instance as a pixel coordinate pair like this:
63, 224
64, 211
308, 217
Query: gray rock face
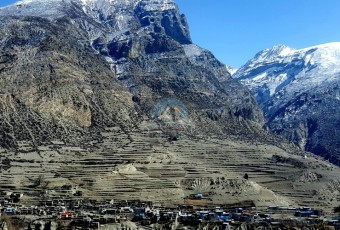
299, 93
53, 85
71, 68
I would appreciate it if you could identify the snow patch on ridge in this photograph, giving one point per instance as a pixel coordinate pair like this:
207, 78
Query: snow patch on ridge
231, 70
147, 5
160, 5
286, 72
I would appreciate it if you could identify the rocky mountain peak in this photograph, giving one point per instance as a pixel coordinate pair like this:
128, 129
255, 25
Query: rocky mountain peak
145, 5
155, 4
231, 69
111, 17
298, 90
133, 51
272, 53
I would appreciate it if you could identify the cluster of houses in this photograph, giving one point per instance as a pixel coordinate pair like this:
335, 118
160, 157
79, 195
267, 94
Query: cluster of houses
79, 211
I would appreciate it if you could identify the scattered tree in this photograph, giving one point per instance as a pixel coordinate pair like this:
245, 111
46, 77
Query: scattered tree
246, 176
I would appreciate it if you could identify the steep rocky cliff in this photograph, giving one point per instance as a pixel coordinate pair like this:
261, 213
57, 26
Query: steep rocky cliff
70, 68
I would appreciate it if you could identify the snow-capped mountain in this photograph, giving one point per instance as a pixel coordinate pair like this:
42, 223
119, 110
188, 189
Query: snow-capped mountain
119, 12
299, 91
231, 70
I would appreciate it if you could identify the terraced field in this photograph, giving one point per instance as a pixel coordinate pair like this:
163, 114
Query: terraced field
144, 164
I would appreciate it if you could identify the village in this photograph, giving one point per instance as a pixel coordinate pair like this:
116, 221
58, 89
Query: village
76, 212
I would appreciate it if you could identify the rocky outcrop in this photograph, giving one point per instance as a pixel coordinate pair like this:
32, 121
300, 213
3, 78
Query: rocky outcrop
71, 68
53, 85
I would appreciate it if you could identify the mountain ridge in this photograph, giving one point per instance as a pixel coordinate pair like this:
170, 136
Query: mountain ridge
147, 47
298, 85
120, 104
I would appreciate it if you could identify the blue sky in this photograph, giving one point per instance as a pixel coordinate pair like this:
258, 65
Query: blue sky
234, 30
6, 2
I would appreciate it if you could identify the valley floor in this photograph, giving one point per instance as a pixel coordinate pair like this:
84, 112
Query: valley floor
146, 165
